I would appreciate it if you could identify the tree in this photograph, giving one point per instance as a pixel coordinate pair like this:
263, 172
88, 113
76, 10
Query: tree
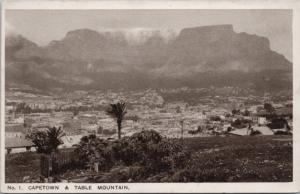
241, 123
75, 112
23, 108
279, 123
235, 111
47, 141
118, 111
269, 108
247, 113
178, 109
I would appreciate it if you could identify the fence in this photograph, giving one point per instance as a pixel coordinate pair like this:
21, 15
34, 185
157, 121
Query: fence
56, 163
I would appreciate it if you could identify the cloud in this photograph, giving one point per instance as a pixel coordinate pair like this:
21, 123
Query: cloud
9, 29
140, 35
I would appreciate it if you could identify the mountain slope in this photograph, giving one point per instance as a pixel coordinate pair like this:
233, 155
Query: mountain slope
196, 57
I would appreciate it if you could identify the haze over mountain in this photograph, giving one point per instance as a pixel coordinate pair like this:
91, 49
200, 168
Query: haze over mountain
195, 57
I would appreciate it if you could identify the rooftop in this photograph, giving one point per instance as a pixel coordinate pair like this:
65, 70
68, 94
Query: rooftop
15, 142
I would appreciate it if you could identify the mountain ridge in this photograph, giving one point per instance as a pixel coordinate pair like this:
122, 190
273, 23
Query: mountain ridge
84, 54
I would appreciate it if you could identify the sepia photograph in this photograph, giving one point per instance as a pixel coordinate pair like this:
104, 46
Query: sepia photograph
147, 96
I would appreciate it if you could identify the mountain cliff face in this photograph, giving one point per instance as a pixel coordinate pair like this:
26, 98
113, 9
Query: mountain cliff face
196, 57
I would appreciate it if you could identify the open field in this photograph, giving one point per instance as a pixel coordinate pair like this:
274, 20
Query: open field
243, 159
214, 159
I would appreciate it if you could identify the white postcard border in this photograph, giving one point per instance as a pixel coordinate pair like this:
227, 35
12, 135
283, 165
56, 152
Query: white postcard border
165, 4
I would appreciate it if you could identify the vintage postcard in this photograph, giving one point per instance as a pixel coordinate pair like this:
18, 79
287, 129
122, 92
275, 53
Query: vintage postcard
150, 96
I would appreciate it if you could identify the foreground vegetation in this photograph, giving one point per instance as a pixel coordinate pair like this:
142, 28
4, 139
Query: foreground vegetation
147, 157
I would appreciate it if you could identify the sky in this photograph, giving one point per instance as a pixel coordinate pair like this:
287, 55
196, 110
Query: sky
43, 26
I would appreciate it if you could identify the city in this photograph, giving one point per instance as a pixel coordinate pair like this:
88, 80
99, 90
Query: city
81, 113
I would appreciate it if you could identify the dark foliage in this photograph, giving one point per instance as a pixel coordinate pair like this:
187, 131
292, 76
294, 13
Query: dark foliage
241, 123
278, 123
215, 118
23, 108
146, 152
93, 150
213, 159
269, 108
150, 150
246, 113
255, 132
47, 141
236, 112
282, 133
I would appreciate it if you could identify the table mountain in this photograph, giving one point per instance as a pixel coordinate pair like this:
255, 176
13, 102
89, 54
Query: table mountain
195, 57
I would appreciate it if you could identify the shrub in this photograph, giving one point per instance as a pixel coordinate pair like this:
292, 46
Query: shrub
255, 132
150, 150
215, 118
278, 123
94, 150
282, 133
147, 150
241, 123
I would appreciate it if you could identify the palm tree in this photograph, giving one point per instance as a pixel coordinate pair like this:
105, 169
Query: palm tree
54, 137
47, 141
118, 111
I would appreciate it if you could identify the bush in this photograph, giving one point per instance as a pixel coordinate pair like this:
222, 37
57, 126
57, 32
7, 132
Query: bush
94, 150
282, 133
255, 132
241, 123
215, 118
150, 150
278, 123
147, 151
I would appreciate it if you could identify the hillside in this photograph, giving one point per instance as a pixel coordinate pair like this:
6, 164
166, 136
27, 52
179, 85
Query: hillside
195, 57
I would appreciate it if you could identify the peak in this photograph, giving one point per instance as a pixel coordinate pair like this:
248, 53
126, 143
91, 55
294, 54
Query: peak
18, 39
84, 31
15, 37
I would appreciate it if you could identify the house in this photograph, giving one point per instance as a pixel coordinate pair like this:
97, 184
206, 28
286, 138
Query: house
14, 130
17, 145
264, 130
240, 132
71, 127
290, 123
245, 131
18, 120
261, 120
70, 140
262, 113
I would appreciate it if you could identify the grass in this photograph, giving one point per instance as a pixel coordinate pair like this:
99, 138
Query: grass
20, 165
242, 159
214, 159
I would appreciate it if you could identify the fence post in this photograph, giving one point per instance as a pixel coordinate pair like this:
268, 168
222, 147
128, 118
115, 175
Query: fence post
45, 166
50, 163
96, 166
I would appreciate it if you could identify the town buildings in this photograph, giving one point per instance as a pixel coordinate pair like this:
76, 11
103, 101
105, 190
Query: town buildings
81, 113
